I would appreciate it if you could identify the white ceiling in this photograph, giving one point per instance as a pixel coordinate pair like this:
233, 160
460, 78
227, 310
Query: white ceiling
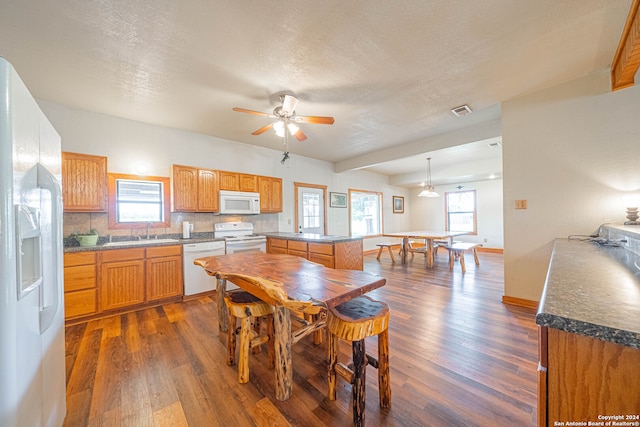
389, 72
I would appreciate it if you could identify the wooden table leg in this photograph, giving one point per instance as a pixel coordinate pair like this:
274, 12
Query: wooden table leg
282, 343
430, 256
405, 249
223, 313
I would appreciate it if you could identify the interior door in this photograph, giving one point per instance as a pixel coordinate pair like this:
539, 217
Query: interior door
310, 210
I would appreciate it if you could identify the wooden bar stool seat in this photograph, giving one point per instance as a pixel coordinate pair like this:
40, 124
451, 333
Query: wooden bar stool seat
388, 246
249, 309
354, 321
456, 251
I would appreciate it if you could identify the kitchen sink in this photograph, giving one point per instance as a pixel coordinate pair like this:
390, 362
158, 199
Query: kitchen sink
140, 242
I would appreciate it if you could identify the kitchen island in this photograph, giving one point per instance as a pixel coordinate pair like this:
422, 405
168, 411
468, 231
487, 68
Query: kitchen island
340, 252
589, 334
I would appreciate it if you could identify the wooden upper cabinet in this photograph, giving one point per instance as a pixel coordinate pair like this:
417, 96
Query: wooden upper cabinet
248, 182
193, 189
207, 190
270, 194
234, 181
84, 182
184, 188
229, 180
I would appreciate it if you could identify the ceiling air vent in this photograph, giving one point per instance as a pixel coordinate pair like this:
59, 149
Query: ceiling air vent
462, 110
495, 145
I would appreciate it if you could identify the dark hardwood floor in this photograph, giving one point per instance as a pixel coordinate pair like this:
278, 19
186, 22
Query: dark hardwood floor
459, 357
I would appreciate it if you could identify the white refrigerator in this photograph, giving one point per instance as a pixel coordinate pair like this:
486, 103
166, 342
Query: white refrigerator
32, 359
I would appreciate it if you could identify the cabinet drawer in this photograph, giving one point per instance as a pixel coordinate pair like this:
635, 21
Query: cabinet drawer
79, 277
326, 260
122, 254
160, 251
321, 248
297, 246
79, 258
302, 254
278, 243
278, 251
79, 303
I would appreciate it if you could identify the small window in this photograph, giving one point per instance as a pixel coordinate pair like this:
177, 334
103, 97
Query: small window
365, 213
461, 211
310, 210
135, 201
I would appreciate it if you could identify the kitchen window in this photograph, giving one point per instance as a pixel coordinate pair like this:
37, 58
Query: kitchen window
365, 211
135, 201
461, 211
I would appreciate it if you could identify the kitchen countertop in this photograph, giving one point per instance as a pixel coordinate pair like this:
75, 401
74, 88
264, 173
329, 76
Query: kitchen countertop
315, 238
594, 291
197, 238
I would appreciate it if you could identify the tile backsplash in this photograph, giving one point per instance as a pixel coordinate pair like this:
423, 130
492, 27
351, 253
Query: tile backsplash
202, 223
630, 233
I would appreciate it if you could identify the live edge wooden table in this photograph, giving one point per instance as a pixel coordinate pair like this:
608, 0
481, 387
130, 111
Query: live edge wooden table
429, 236
289, 283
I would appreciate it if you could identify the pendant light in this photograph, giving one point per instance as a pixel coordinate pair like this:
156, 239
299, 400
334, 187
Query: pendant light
428, 190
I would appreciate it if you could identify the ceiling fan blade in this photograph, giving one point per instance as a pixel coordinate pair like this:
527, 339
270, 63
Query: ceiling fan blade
300, 136
244, 110
318, 120
289, 104
263, 129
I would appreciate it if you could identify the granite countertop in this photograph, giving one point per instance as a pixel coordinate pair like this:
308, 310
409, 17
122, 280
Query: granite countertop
593, 290
314, 238
178, 240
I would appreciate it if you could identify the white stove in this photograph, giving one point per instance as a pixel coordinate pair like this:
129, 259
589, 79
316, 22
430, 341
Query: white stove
239, 237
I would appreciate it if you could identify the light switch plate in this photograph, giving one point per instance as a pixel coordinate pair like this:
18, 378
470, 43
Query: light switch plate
521, 204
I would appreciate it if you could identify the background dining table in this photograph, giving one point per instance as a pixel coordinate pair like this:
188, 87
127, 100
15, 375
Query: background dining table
429, 237
289, 283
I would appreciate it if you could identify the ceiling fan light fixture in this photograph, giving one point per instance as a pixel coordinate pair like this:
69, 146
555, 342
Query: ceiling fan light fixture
278, 127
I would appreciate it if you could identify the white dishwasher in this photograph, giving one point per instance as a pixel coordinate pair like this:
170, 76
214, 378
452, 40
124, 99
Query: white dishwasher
196, 280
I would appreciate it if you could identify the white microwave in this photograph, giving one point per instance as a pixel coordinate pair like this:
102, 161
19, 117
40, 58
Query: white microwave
239, 202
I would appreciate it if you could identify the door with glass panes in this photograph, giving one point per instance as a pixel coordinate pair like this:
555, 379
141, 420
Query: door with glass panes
310, 210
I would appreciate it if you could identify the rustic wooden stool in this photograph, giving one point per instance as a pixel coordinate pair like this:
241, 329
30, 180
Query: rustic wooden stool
456, 251
382, 246
249, 309
354, 321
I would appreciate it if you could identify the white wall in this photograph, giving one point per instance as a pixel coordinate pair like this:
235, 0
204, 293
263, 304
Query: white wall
128, 144
571, 151
429, 213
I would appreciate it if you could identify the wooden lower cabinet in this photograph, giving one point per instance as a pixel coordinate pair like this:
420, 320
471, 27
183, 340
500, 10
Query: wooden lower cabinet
581, 378
121, 278
80, 281
99, 282
340, 255
164, 272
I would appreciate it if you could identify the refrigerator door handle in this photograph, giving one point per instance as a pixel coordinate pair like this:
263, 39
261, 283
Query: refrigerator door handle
47, 181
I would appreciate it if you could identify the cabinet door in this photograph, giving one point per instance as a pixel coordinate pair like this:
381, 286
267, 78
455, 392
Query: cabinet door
229, 180
207, 190
164, 277
121, 284
276, 195
184, 188
248, 182
270, 194
84, 182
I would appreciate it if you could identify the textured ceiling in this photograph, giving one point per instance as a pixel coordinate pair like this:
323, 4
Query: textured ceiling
389, 72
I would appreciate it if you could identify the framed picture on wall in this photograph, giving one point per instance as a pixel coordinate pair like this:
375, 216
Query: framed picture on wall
398, 204
338, 200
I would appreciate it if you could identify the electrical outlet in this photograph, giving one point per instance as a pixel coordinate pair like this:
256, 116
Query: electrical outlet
289, 221
485, 240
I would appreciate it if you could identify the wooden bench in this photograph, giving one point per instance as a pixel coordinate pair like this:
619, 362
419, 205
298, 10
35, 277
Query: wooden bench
388, 246
457, 251
354, 321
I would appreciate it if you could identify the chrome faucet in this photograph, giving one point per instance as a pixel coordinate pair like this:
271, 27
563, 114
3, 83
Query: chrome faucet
148, 225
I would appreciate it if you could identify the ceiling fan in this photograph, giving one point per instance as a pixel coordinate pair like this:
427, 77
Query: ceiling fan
286, 118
